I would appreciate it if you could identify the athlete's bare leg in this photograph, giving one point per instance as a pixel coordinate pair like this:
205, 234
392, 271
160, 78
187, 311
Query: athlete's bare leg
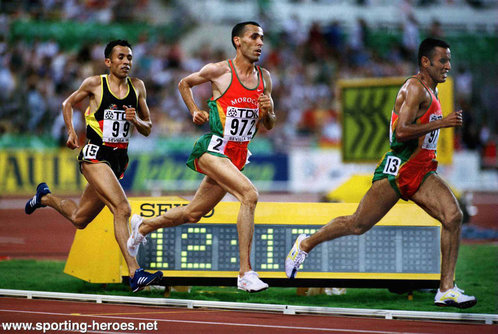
224, 172
222, 177
80, 214
103, 189
205, 199
437, 199
107, 187
378, 200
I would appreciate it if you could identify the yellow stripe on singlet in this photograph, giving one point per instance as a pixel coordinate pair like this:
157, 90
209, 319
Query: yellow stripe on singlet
221, 114
112, 93
134, 89
92, 122
90, 116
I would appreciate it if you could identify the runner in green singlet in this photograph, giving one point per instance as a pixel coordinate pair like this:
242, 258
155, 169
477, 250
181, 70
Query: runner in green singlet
241, 103
408, 171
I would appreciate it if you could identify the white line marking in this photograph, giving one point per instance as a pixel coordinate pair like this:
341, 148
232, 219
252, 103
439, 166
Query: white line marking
215, 323
488, 319
12, 240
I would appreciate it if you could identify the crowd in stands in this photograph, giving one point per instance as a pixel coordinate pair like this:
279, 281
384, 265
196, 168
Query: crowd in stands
305, 63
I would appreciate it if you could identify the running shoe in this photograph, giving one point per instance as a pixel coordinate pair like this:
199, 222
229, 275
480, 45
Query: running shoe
250, 282
35, 202
143, 278
135, 238
295, 257
454, 297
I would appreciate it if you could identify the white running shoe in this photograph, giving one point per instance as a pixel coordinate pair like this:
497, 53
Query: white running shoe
135, 238
454, 297
295, 257
250, 282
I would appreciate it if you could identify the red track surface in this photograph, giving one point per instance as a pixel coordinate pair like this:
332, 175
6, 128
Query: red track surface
181, 320
45, 234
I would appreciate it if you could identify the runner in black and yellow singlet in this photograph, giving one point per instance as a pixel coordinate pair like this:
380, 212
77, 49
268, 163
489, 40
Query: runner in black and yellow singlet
117, 105
107, 130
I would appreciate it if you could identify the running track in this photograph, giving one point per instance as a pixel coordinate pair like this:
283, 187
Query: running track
48, 235
184, 321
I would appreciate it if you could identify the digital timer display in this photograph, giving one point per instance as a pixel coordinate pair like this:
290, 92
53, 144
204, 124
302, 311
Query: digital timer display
395, 249
214, 247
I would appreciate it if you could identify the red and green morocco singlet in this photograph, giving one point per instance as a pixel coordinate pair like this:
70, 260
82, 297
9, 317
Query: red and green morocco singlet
410, 162
233, 119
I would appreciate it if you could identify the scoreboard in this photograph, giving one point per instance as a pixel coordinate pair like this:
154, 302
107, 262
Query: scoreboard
403, 249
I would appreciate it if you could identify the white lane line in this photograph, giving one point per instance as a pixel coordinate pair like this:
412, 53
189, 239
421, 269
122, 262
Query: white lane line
12, 240
214, 323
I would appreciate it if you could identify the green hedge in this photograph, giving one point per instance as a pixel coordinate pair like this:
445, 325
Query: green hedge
72, 35
473, 48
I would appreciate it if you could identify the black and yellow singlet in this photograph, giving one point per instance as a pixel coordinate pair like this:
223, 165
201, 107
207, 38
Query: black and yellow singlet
107, 126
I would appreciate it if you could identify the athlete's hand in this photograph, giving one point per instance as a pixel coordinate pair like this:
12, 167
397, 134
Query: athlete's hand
454, 119
266, 115
130, 114
200, 117
72, 140
264, 104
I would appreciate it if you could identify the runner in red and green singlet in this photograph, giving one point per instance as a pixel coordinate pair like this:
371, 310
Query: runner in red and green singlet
240, 104
233, 120
409, 162
408, 171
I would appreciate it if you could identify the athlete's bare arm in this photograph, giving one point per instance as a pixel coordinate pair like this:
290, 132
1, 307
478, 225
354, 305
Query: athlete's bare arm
216, 73
141, 120
265, 102
89, 88
414, 100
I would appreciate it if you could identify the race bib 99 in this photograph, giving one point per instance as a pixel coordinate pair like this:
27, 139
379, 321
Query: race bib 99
116, 128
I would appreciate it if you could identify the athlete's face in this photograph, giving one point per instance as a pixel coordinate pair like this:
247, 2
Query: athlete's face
120, 61
439, 66
251, 42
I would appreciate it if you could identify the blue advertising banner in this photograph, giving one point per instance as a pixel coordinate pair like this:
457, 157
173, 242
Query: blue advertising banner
147, 172
22, 170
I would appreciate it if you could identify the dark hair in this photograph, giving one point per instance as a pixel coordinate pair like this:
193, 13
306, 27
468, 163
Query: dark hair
239, 28
112, 44
426, 48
